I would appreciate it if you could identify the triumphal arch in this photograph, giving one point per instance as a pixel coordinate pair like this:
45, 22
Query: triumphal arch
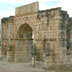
44, 34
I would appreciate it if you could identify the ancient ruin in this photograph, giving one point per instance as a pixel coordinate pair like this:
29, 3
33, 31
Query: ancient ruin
45, 34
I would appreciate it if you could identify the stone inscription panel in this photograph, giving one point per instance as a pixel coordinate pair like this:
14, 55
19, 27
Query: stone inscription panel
26, 9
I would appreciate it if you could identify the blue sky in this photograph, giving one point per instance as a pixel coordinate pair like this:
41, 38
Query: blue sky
52, 3
7, 7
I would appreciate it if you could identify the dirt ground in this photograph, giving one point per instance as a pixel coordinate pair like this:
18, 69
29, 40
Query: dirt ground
18, 67
27, 67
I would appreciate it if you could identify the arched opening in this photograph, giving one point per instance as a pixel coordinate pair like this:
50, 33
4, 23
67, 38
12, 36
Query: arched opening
24, 43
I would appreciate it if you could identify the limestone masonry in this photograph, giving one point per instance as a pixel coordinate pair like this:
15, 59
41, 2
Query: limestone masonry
46, 34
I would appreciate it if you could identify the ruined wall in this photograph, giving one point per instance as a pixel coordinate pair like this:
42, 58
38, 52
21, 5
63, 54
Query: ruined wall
48, 33
27, 9
70, 30
7, 35
50, 29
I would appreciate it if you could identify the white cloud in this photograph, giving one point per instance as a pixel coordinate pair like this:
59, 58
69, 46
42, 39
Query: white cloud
65, 4
6, 13
23, 1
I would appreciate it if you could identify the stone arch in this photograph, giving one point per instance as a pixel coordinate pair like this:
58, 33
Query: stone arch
23, 43
22, 24
24, 28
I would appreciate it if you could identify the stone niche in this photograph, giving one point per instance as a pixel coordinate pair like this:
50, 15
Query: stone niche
27, 9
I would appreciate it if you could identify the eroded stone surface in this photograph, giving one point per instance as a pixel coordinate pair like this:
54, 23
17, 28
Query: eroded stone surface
48, 30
